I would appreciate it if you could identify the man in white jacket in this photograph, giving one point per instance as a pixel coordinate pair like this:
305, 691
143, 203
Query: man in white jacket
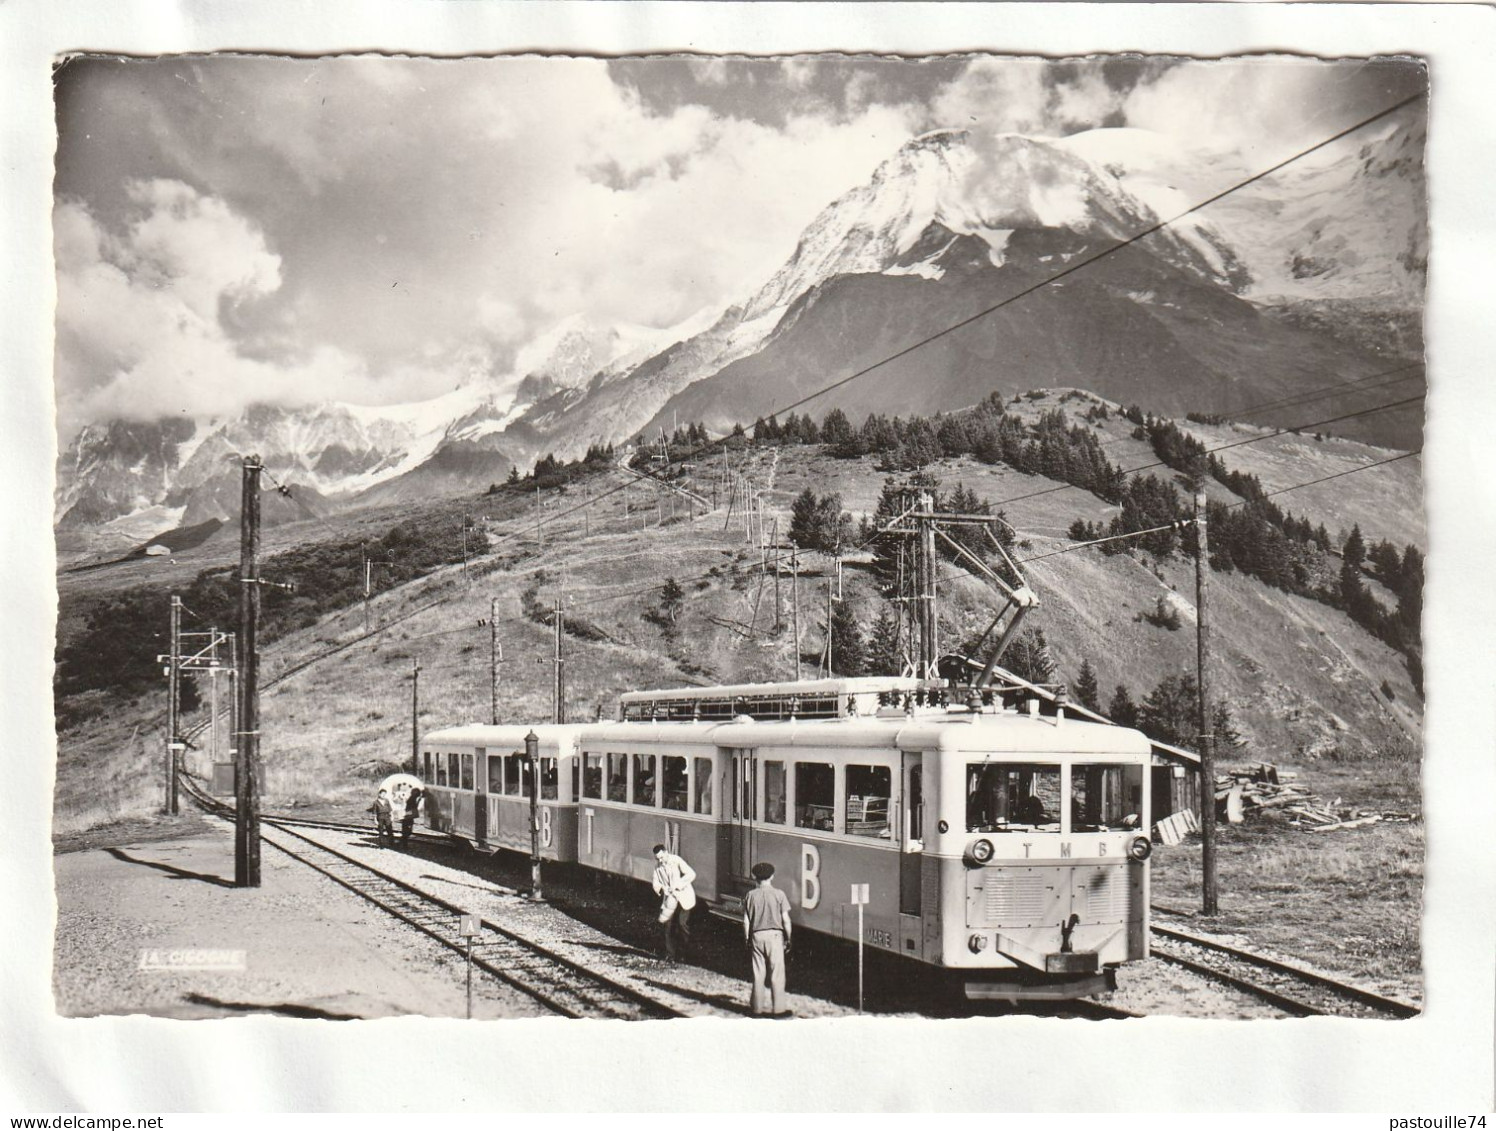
672, 883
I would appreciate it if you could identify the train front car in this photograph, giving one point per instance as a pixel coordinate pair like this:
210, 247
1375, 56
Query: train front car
1033, 874
479, 787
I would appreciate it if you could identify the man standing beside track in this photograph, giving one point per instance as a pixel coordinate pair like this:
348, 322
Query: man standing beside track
383, 817
672, 882
766, 930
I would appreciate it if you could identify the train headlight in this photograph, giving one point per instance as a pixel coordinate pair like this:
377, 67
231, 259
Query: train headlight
981, 851
977, 943
1140, 848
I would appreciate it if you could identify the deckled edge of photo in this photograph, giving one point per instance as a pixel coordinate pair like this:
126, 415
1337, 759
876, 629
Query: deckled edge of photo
1437, 1063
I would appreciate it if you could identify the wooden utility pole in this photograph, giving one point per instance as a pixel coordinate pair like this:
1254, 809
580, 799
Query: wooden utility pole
415, 716
829, 598
778, 619
795, 602
928, 645
173, 704
247, 759
495, 658
560, 662
1211, 900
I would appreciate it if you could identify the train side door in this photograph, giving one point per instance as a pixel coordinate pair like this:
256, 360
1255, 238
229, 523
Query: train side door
911, 841
480, 795
741, 798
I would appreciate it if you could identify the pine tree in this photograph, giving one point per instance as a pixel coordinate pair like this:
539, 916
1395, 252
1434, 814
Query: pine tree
1028, 657
513, 475
1122, 710
847, 652
1170, 713
884, 653
803, 519
672, 599
1087, 692
837, 433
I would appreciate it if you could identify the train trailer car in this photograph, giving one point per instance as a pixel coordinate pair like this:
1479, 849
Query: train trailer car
479, 787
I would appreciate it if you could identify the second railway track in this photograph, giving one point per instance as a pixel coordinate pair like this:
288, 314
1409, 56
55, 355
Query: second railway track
1284, 985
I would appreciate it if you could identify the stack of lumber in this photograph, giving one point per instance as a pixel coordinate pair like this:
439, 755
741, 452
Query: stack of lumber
1263, 786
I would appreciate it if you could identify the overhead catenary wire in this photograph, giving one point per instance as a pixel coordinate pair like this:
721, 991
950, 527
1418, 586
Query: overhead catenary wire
1096, 257
1178, 524
1228, 506
1066, 272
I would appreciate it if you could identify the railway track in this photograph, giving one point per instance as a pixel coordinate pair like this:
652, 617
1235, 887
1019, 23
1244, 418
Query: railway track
1291, 988
556, 982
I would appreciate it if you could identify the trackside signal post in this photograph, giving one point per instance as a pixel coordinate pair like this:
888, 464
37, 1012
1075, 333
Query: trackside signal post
860, 899
470, 927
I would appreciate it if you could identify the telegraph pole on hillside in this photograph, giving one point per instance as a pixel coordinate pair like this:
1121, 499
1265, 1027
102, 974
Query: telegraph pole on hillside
247, 759
173, 704
560, 662
795, 605
495, 658
1211, 903
415, 715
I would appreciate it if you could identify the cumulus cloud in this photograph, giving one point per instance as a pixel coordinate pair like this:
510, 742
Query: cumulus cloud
379, 229
140, 331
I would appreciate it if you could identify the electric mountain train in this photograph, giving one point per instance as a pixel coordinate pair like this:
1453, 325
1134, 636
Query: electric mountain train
1007, 847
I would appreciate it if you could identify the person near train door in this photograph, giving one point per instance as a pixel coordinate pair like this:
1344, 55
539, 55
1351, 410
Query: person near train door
672, 882
408, 818
766, 930
383, 819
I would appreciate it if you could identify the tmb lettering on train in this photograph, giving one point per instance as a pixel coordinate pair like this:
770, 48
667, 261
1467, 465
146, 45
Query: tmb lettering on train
1003, 846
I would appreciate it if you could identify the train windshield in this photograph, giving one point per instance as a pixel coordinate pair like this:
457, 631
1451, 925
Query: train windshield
1105, 798
1012, 796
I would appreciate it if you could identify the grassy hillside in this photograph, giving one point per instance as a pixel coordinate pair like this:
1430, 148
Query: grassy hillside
1304, 682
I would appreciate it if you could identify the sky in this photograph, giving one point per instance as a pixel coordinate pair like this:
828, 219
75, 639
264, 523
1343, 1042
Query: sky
233, 229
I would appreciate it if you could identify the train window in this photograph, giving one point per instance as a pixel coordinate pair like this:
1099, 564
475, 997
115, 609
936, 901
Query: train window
815, 796
495, 773
426, 761
644, 779
618, 789
868, 791
774, 792
673, 770
452, 775
440, 771
1105, 798
1012, 795
592, 776
576, 779
515, 778
467, 771
703, 786
550, 779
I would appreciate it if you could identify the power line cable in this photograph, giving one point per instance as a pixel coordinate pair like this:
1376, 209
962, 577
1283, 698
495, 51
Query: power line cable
1089, 260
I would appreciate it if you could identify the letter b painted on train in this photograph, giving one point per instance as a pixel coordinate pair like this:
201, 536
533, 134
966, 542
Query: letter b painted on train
810, 876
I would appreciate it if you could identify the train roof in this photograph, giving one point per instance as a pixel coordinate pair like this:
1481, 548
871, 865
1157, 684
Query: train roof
1004, 733
839, 685
551, 735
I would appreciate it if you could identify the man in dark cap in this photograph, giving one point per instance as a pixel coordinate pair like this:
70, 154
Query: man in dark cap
766, 931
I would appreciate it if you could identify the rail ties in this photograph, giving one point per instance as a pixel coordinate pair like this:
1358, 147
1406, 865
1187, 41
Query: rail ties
558, 983
561, 985
1293, 989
